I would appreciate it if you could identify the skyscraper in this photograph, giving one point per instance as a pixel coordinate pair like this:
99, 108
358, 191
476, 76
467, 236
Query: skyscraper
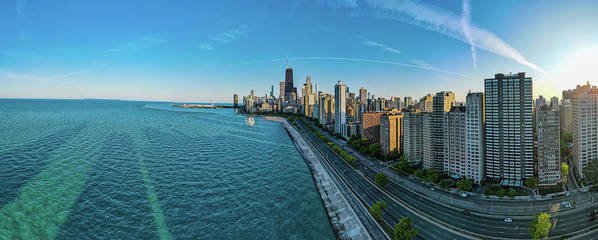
282, 90
455, 141
407, 101
549, 141
442, 103
235, 100
475, 163
565, 113
413, 136
554, 102
340, 99
288, 83
391, 132
326, 111
427, 138
371, 127
363, 95
464, 139
272, 91
509, 128
308, 97
426, 103
584, 126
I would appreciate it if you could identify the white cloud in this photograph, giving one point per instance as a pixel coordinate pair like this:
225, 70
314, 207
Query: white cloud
225, 37
442, 21
382, 46
136, 45
206, 47
230, 35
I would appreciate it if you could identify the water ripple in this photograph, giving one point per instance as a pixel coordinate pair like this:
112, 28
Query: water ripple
129, 170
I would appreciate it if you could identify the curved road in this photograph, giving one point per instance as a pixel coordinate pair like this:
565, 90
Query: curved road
362, 182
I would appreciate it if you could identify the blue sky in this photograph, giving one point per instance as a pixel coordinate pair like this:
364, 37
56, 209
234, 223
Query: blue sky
204, 51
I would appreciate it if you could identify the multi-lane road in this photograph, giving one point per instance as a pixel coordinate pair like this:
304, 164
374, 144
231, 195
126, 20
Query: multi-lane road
433, 220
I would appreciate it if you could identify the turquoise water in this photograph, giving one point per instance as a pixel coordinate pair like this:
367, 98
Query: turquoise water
93, 169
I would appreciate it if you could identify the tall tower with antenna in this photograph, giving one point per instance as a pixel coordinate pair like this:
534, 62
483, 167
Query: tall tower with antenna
288, 82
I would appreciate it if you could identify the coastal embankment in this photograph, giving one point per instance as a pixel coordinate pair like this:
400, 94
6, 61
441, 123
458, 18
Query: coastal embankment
343, 218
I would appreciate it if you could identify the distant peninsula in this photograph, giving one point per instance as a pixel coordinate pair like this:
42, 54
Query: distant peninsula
201, 106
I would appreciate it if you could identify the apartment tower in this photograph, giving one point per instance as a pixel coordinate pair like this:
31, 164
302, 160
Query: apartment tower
584, 126
509, 128
340, 100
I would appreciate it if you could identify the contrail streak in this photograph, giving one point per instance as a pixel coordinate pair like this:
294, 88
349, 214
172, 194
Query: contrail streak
429, 68
438, 20
465, 25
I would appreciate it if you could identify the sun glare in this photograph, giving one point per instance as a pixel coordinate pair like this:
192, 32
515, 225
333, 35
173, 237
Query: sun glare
576, 69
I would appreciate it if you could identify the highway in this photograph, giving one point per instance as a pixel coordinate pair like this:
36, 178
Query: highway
370, 194
369, 223
399, 199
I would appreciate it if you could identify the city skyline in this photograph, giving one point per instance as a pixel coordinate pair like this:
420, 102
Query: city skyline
169, 53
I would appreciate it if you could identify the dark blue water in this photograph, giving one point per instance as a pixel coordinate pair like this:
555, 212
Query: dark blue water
94, 169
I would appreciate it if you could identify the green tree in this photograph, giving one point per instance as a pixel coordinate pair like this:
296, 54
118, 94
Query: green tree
432, 176
353, 138
565, 169
376, 210
381, 179
488, 192
404, 229
394, 154
501, 193
540, 226
363, 149
445, 184
512, 193
418, 173
531, 183
465, 185
374, 149
404, 166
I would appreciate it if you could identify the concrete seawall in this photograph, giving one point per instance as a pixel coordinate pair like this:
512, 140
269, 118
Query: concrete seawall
344, 221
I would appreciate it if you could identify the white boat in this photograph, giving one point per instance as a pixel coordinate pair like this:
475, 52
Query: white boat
250, 121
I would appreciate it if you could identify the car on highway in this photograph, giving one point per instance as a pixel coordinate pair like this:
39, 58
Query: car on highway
432, 189
466, 213
508, 220
463, 194
566, 204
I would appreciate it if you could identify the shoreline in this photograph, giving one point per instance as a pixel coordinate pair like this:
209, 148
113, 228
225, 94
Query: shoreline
337, 208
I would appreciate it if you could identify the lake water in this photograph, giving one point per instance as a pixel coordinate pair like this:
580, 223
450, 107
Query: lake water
96, 169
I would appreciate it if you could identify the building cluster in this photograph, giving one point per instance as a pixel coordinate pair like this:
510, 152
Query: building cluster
501, 135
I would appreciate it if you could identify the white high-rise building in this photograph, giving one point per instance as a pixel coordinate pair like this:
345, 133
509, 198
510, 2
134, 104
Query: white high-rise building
363, 95
462, 148
549, 142
475, 162
565, 112
455, 141
340, 99
584, 126
413, 136
442, 103
509, 128
427, 140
